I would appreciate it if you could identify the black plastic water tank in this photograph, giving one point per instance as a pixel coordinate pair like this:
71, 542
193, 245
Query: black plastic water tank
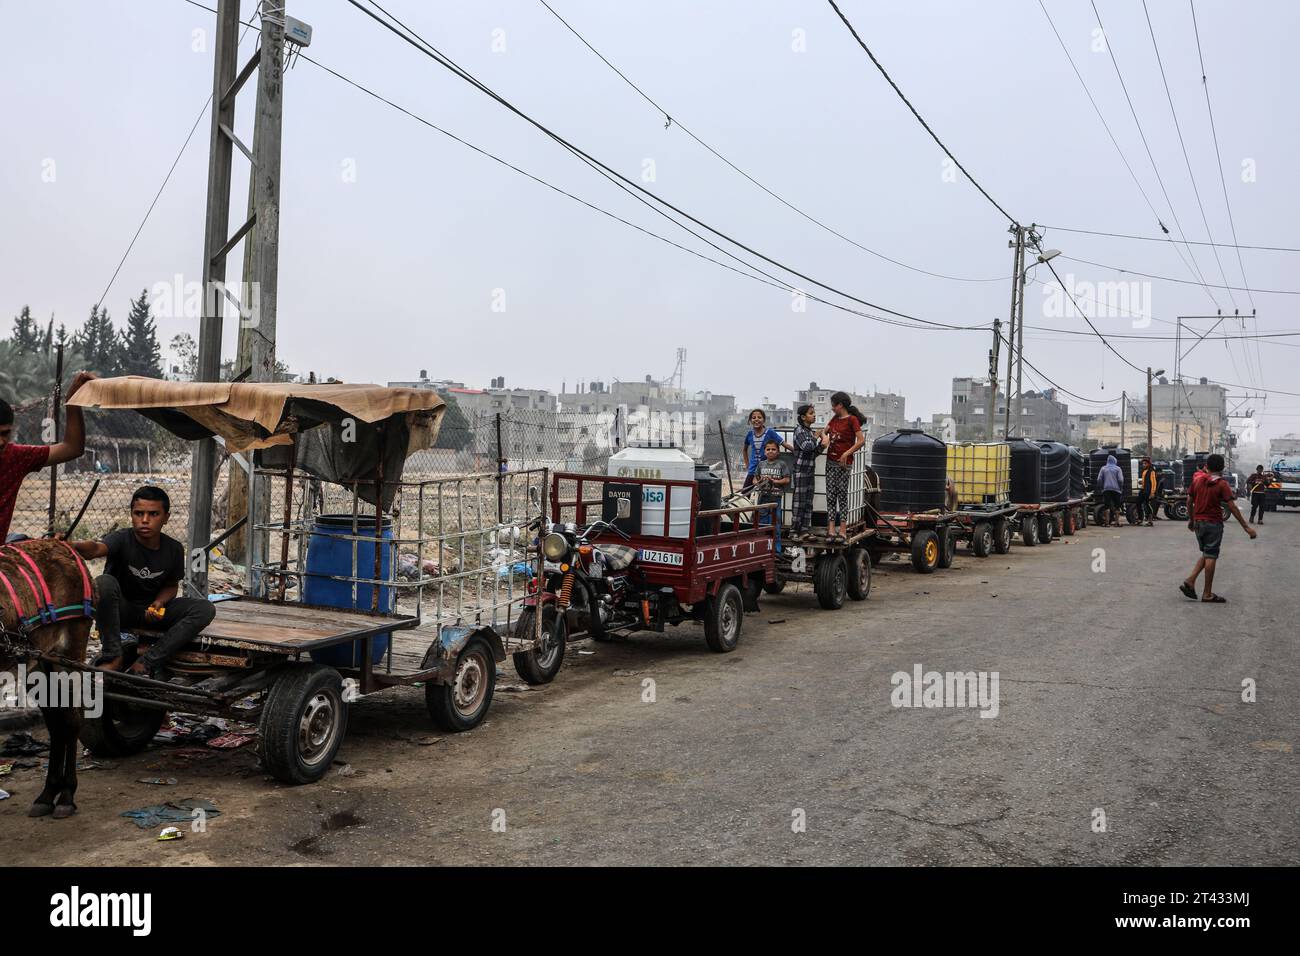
710, 488
913, 471
1191, 463
1097, 459
1026, 471
1078, 469
1055, 469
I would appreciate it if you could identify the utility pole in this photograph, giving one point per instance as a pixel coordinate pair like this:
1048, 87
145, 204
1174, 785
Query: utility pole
1020, 329
1123, 416
1178, 380
1017, 289
993, 378
257, 305
1150, 414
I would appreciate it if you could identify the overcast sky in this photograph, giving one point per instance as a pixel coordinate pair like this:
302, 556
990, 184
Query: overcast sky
395, 240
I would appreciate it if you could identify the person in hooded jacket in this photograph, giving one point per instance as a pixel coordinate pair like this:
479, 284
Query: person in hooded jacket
1110, 479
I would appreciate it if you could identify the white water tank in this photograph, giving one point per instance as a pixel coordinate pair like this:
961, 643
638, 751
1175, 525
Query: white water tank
658, 462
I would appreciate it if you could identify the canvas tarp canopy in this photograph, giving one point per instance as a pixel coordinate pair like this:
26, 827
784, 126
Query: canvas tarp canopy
268, 415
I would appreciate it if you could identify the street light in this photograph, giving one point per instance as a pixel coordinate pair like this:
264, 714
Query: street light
1151, 411
1048, 255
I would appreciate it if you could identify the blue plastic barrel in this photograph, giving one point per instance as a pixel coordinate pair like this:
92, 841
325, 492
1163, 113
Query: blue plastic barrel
329, 552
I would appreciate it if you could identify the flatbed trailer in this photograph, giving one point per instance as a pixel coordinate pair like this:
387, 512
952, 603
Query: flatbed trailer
928, 537
1040, 522
836, 570
986, 528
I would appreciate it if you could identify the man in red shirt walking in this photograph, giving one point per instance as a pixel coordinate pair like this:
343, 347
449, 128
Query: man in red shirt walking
17, 461
1208, 495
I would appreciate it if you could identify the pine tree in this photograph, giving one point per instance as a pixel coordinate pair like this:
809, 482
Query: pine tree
26, 335
97, 340
139, 352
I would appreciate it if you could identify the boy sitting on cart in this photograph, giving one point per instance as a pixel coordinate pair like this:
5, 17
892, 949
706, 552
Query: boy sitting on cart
139, 586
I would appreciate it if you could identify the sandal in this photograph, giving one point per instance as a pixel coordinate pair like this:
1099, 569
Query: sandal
1214, 600
1188, 590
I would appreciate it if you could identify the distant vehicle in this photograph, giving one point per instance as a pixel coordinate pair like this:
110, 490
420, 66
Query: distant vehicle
1287, 473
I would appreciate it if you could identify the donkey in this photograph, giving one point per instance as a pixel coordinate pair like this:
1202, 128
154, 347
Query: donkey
47, 600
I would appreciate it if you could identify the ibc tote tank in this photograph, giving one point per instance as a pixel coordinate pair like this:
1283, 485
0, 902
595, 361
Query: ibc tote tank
980, 471
657, 462
1026, 471
1055, 470
913, 471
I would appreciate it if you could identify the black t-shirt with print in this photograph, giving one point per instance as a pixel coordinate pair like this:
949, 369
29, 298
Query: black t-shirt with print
141, 572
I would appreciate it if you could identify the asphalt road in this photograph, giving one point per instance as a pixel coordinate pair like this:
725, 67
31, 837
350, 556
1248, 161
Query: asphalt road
1120, 702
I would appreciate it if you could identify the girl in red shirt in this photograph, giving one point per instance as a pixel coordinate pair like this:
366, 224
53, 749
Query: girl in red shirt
842, 437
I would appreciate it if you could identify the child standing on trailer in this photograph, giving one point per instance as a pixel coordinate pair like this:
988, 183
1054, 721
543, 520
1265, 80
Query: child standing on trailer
843, 434
755, 439
773, 476
806, 448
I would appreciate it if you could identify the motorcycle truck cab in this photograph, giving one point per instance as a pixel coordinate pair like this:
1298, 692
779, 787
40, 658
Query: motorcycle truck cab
640, 554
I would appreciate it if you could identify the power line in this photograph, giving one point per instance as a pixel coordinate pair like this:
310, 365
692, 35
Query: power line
1151, 275
426, 48
919, 118
1147, 146
1196, 191
1190, 242
671, 119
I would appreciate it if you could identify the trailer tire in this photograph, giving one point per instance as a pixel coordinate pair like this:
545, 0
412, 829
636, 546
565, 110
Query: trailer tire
1046, 529
775, 587
724, 613
1029, 530
303, 723
1067, 522
925, 552
1132, 515
540, 667
462, 703
1058, 524
859, 579
831, 580
981, 539
947, 546
1002, 534
1168, 511
121, 729
1180, 510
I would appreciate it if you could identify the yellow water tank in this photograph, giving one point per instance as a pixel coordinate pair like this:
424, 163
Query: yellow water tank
980, 471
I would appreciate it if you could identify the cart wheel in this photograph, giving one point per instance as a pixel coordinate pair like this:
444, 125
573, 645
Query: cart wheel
303, 723
1046, 529
1168, 511
1058, 524
925, 551
540, 664
1029, 530
463, 703
947, 546
723, 616
121, 729
859, 578
831, 580
1067, 522
1180, 510
1002, 534
1132, 515
776, 587
981, 539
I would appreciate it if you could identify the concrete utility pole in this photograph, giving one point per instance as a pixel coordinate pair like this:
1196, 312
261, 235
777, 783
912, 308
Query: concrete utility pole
1017, 287
1020, 328
1151, 449
993, 378
1123, 416
257, 304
